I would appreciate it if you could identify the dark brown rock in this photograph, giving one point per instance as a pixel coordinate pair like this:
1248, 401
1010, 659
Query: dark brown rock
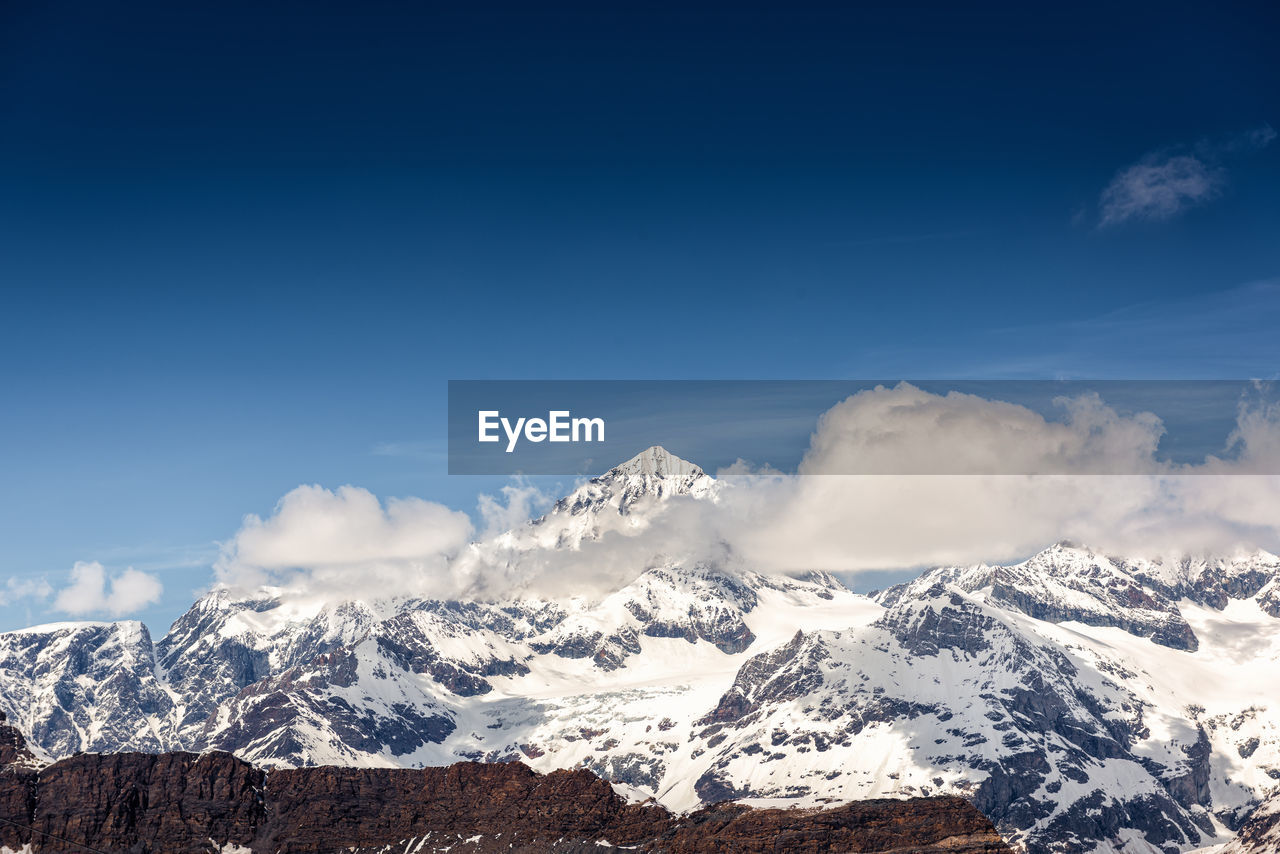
182, 803
13, 747
168, 803
18, 772
920, 825
312, 807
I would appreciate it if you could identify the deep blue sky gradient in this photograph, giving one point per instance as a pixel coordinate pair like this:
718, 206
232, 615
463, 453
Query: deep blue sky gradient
243, 246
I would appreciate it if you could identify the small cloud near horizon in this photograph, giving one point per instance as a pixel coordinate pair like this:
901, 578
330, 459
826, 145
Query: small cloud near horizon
92, 591
17, 589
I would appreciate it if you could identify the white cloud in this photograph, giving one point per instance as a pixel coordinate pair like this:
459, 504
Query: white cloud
92, 592
345, 542
948, 482
17, 589
520, 501
1158, 188
905, 430
1249, 141
1163, 184
740, 467
971, 499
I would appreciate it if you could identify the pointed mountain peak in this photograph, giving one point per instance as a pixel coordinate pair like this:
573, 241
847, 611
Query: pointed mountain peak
1069, 546
657, 461
1067, 556
612, 499
1069, 550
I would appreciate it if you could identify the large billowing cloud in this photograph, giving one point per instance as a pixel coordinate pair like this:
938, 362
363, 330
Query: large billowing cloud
92, 591
345, 542
941, 479
953, 479
907, 431
968, 479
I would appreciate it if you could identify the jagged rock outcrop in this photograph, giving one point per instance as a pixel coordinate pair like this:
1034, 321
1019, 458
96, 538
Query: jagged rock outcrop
176, 803
14, 752
689, 603
1067, 583
18, 773
224, 644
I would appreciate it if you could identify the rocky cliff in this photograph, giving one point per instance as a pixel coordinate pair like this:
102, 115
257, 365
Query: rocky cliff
18, 772
184, 803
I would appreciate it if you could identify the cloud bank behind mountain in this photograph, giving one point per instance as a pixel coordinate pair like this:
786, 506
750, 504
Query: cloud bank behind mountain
946, 482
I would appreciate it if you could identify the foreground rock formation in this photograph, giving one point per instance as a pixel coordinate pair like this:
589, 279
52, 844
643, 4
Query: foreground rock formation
184, 803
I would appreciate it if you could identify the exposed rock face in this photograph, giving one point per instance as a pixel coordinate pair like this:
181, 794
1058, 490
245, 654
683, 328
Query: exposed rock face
222, 645
924, 825
170, 802
1066, 583
18, 772
692, 604
183, 803
284, 717
14, 752
1261, 833
312, 808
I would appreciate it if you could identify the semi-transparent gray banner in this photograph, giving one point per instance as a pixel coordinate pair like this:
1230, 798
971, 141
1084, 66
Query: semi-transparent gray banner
859, 427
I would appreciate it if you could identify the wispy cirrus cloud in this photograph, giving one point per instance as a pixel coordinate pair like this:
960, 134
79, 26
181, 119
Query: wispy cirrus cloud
18, 589
1163, 184
429, 451
1159, 187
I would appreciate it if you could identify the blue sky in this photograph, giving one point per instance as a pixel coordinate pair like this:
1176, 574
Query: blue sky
244, 249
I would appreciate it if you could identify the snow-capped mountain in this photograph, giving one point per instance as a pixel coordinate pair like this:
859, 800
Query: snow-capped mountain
1082, 701
624, 498
223, 644
86, 687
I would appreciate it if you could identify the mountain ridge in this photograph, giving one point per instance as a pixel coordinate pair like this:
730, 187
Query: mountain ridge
1054, 692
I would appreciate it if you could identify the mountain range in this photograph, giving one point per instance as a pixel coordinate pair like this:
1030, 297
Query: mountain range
1081, 701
